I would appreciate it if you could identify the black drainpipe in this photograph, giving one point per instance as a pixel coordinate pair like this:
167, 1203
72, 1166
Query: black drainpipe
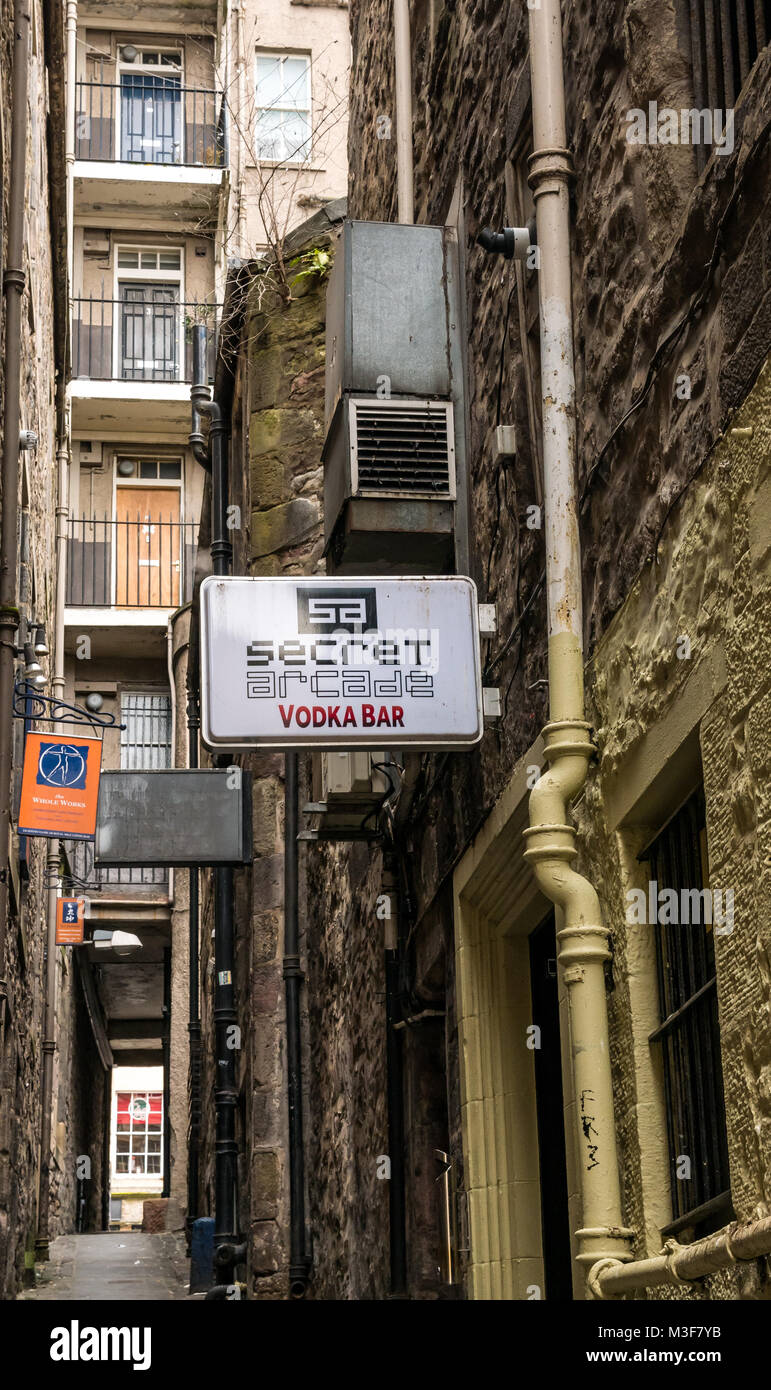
394, 1083
194, 1009
166, 1071
299, 1262
227, 1251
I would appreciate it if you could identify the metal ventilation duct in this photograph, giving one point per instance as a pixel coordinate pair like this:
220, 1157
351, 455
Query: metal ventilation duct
402, 448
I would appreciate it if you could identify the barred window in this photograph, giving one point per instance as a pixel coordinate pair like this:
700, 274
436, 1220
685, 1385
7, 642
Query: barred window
688, 1037
145, 743
725, 37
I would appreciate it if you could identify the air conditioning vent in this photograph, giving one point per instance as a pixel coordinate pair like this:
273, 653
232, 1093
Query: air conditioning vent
402, 448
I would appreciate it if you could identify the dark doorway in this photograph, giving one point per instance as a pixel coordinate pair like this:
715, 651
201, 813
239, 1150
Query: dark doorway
555, 1226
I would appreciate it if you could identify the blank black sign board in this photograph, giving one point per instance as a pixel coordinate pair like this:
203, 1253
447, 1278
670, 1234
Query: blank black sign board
174, 819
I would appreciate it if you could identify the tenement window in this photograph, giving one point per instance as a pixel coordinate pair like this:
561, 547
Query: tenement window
145, 743
685, 914
283, 132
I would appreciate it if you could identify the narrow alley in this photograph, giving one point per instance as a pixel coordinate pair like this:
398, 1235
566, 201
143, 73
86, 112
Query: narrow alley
385, 662
114, 1267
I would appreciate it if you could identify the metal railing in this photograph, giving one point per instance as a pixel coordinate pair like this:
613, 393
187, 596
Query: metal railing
147, 118
144, 336
86, 878
142, 562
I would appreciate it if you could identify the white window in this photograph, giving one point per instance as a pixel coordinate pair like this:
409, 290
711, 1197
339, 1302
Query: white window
148, 260
283, 132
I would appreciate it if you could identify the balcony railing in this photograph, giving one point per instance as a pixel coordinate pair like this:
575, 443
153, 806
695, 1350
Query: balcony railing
141, 562
147, 335
86, 878
150, 119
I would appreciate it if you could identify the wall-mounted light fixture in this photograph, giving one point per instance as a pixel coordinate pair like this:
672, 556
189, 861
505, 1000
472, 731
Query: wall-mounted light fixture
32, 668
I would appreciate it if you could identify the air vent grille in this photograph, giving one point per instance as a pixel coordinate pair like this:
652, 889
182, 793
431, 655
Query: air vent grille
403, 448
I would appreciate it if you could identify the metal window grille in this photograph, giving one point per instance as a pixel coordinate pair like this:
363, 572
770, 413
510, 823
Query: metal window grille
145, 743
726, 37
689, 1034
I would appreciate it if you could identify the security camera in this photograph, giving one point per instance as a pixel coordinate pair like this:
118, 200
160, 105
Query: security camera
513, 243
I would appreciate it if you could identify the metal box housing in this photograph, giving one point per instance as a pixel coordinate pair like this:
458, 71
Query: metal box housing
394, 454
174, 818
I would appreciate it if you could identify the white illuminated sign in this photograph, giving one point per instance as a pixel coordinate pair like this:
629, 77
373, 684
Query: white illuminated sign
340, 663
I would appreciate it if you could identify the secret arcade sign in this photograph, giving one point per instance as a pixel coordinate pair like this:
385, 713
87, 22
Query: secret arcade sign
329, 663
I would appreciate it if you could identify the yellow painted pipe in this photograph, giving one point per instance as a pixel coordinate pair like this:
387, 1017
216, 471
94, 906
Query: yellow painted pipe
551, 841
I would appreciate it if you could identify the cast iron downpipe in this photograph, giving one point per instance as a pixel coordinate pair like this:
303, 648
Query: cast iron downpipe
13, 289
194, 1008
299, 1262
583, 938
225, 1018
394, 1083
52, 869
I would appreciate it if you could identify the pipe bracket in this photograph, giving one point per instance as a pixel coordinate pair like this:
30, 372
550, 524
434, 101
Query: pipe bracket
595, 1274
14, 280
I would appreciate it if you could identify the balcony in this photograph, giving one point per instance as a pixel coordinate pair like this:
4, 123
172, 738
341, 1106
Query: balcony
124, 578
133, 362
130, 897
137, 563
140, 881
149, 143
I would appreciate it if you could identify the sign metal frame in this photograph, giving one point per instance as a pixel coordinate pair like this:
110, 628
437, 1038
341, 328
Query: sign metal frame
234, 610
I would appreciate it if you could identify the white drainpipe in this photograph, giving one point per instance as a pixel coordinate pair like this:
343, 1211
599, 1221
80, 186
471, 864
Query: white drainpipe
551, 842
403, 82
71, 46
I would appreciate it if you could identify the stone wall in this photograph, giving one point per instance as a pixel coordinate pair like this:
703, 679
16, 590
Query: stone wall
711, 585
277, 428
671, 279
21, 1046
672, 287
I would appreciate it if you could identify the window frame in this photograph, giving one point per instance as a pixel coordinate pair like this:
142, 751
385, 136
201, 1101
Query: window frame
689, 1073
127, 693
126, 1175
282, 55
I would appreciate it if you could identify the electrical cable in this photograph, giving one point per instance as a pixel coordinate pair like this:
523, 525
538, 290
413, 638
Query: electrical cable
491, 665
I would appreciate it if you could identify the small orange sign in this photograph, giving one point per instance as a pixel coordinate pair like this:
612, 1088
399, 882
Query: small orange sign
70, 919
60, 787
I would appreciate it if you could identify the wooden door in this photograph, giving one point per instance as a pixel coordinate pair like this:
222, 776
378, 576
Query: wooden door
148, 547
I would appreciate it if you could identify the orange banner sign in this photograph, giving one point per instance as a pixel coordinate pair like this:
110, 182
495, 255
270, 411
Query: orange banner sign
70, 919
60, 787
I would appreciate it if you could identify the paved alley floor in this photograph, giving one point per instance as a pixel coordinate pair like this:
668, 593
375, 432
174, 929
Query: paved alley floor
123, 1266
